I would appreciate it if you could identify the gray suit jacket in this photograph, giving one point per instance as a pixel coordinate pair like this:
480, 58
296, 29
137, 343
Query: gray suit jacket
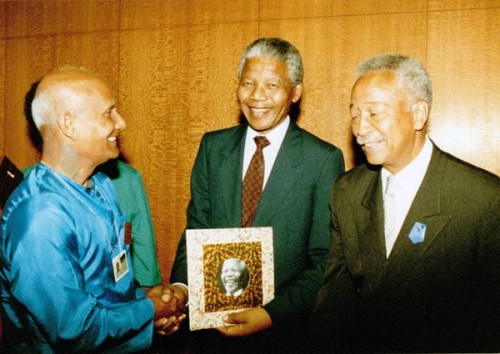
294, 203
439, 295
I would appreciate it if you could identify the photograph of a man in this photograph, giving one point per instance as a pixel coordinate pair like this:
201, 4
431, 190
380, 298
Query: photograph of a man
234, 276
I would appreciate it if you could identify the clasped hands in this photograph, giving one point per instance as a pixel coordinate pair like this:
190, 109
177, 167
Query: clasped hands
170, 310
169, 303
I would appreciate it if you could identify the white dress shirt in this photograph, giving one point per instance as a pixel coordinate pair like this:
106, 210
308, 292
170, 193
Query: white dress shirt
270, 152
408, 180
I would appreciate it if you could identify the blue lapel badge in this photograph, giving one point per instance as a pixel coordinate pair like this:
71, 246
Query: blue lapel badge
417, 233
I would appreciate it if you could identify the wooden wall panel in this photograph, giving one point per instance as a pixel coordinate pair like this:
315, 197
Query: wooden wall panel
3, 24
171, 93
23, 68
285, 9
332, 49
161, 13
174, 66
2, 97
439, 5
464, 66
363, 7
27, 60
2, 77
35, 18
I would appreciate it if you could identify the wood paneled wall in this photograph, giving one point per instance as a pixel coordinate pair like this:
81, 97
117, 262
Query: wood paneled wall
173, 65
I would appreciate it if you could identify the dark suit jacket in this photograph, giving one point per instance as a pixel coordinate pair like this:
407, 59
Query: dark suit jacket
294, 202
439, 295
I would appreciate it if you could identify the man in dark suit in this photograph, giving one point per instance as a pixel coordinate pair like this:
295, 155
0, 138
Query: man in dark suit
299, 170
425, 276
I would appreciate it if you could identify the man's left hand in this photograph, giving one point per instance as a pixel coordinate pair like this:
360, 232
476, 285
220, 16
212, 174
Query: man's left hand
246, 322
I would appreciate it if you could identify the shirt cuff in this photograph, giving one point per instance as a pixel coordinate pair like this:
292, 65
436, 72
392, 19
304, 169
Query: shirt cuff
187, 291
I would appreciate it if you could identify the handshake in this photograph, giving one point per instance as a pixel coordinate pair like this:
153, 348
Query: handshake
169, 303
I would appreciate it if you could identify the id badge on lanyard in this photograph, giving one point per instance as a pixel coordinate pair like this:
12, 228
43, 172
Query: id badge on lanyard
120, 265
120, 262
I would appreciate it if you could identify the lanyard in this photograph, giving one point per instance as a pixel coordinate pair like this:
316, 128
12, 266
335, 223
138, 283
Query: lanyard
98, 194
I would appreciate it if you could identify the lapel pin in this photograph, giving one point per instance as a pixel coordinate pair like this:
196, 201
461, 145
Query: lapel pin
417, 233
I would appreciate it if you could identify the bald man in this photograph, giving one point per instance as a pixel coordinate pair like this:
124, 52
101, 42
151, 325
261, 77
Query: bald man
66, 278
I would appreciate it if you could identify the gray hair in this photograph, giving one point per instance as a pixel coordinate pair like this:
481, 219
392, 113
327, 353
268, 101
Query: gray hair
241, 264
55, 98
411, 74
279, 49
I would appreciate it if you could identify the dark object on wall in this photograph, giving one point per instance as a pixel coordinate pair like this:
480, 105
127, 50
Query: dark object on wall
10, 177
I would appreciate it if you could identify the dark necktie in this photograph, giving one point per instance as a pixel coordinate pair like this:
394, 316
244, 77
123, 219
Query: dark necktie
253, 182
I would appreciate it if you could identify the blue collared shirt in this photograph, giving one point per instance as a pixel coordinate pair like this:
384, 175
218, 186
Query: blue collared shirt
57, 242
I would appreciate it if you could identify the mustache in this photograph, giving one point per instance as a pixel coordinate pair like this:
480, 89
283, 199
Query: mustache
363, 140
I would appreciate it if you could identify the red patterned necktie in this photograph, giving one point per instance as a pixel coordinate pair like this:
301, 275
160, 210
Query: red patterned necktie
253, 182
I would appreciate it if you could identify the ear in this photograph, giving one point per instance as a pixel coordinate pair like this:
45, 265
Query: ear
419, 114
297, 92
66, 123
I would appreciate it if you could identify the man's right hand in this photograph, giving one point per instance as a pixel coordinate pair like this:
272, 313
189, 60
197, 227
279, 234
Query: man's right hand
169, 307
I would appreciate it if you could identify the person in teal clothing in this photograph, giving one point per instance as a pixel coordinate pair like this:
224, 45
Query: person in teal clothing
133, 202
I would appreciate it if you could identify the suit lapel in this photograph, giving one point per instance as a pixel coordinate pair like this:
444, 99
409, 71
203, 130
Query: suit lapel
424, 209
283, 176
370, 228
230, 174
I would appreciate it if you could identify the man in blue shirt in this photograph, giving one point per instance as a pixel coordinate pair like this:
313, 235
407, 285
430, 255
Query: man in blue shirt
65, 268
133, 202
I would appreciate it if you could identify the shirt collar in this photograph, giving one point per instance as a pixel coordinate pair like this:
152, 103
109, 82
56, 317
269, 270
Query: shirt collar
275, 136
412, 175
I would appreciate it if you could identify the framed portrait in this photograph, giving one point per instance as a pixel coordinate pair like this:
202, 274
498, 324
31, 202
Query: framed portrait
229, 270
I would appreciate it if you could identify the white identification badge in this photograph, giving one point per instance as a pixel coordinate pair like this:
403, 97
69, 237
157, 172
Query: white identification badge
120, 265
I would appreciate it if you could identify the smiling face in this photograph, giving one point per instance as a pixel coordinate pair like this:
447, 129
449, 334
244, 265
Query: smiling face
98, 123
265, 92
388, 126
231, 275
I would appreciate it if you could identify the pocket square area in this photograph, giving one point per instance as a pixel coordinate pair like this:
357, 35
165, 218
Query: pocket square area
417, 233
